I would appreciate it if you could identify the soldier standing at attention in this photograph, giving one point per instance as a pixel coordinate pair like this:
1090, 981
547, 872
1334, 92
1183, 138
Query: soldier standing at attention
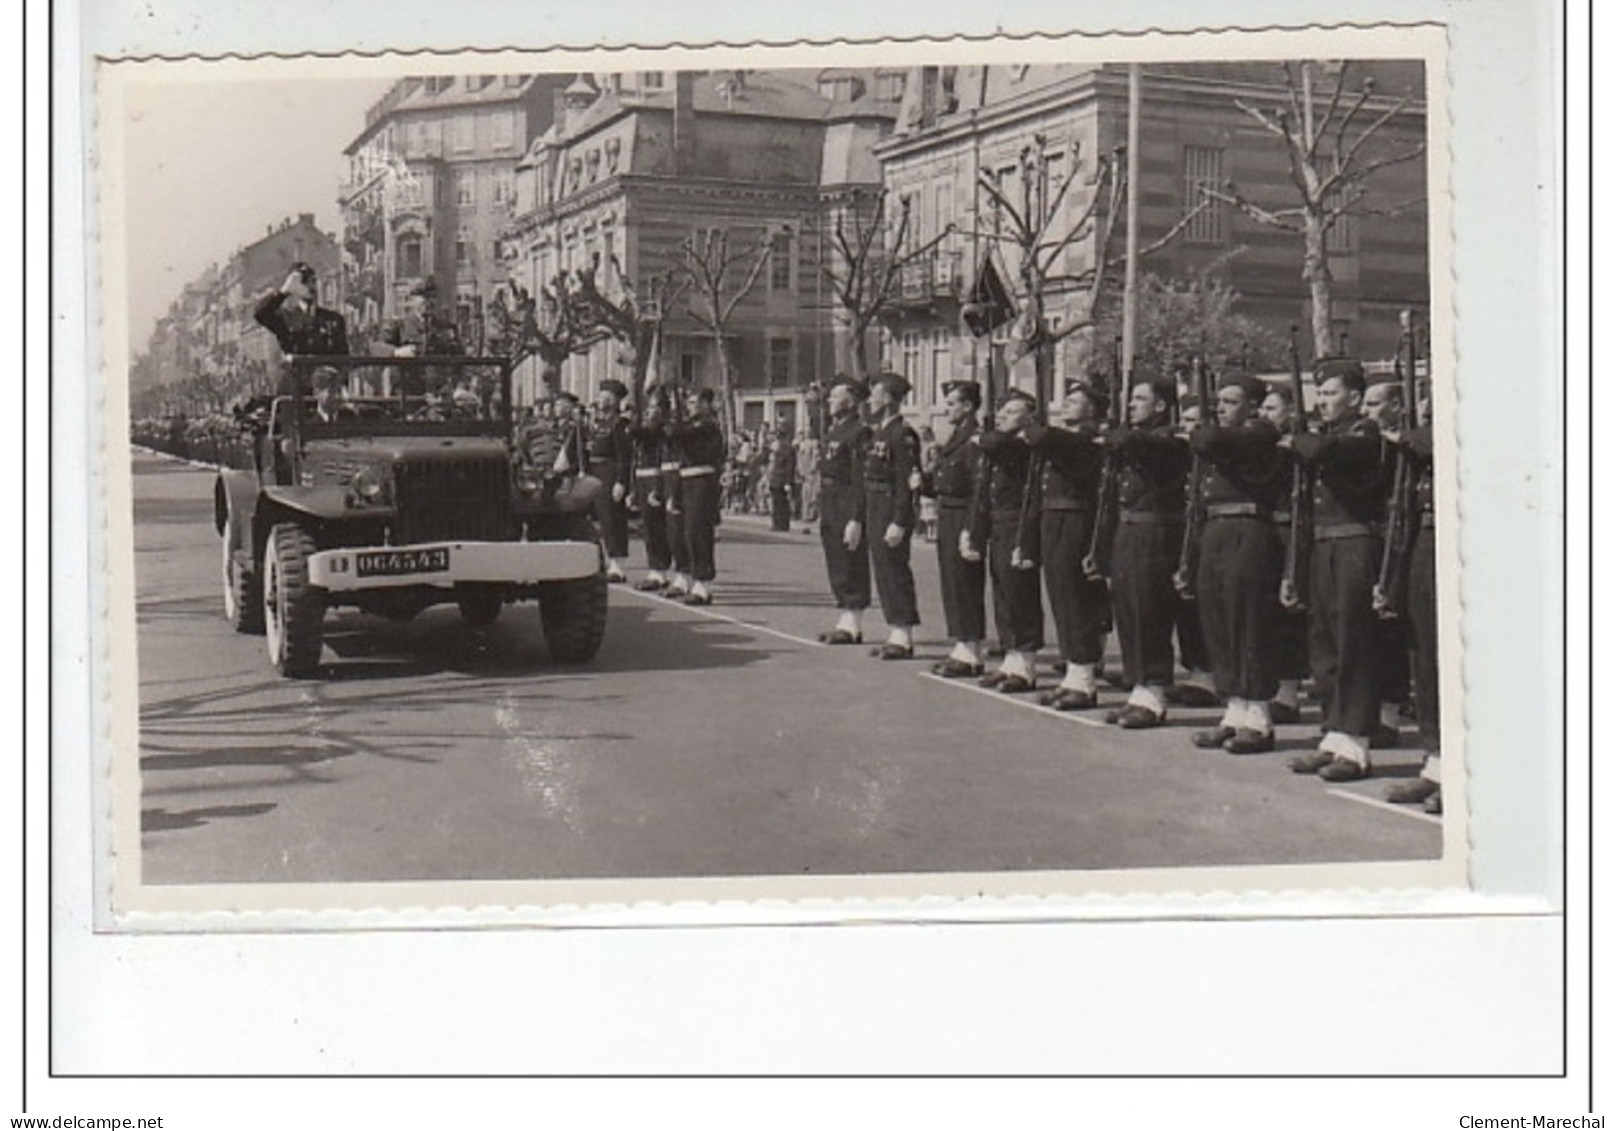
1004, 526
953, 483
678, 582
610, 461
841, 512
781, 478
701, 452
648, 438
1421, 605
1072, 463
1237, 583
1290, 658
300, 325
891, 470
1382, 405
1348, 504
1152, 462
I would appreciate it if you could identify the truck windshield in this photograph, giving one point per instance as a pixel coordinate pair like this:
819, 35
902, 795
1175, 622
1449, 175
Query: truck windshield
439, 396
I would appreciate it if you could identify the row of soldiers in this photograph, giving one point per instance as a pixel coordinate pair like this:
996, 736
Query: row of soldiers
1159, 532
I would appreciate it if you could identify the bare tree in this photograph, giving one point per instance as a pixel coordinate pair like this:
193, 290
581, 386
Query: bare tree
717, 278
633, 324
558, 323
1330, 164
868, 264
1036, 227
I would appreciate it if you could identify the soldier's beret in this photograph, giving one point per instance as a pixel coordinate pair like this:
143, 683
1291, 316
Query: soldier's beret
1348, 369
969, 391
1188, 400
567, 395
1253, 387
1165, 389
1093, 390
615, 387
858, 389
894, 383
1388, 377
1020, 395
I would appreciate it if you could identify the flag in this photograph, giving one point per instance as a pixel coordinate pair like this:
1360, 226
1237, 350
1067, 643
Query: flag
988, 305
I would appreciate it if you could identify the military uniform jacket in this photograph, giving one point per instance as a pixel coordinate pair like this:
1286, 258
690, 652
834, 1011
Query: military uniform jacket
1003, 486
647, 441
958, 463
1072, 466
782, 465
1152, 467
1421, 445
1242, 465
700, 443
611, 453
891, 457
1348, 481
299, 331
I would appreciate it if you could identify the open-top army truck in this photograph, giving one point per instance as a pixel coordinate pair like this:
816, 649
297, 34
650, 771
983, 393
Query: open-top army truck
392, 485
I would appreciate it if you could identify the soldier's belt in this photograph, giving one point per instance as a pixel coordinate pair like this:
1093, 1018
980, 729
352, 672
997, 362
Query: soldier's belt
1282, 517
1236, 510
671, 466
647, 472
1427, 521
1068, 506
1336, 532
698, 469
1151, 518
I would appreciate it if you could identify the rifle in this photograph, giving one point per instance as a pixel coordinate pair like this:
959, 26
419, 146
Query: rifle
1194, 507
1295, 554
1390, 590
1097, 562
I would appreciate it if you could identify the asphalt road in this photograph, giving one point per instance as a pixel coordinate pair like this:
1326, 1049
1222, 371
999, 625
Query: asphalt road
701, 742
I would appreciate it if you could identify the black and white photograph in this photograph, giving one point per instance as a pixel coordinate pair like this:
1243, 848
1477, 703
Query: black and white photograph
977, 468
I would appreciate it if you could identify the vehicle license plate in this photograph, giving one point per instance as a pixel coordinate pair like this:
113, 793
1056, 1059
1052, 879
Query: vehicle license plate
393, 563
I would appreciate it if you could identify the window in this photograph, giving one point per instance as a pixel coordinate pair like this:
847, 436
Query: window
889, 87
462, 248
513, 81
651, 80
504, 186
942, 207
409, 257
465, 134
779, 263
1202, 169
437, 84
504, 131
912, 356
465, 187
941, 360
485, 81
1341, 238
781, 352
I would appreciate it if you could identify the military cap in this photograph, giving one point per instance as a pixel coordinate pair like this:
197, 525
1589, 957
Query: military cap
303, 271
895, 383
1388, 377
615, 387
969, 391
1253, 387
567, 395
1090, 388
1348, 369
1020, 395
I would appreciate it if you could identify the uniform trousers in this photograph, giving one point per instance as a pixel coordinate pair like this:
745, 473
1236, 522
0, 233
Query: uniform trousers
701, 502
1017, 593
1192, 651
658, 551
779, 506
848, 569
1344, 632
1237, 589
964, 583
1080, 605
1292, 661
1395, 672
613, 516
894, 576
1145, 604
678, 543
1422, 613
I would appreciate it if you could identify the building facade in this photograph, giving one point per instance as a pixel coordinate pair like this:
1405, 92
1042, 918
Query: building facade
430, 187
958, 124
636, 166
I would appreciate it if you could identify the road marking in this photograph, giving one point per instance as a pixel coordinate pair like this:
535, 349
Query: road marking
1014, 701
701, 611
1404, 810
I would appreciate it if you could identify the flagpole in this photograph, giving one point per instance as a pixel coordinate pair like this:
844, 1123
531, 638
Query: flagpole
1130, 278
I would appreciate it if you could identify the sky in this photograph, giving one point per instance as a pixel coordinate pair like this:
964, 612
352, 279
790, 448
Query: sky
212, 165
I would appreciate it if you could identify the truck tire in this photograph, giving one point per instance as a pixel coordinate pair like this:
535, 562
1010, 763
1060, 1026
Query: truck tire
294, 610
243, 599
574, 617
480, 607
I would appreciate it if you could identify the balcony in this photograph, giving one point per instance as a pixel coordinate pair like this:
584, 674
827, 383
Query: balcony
927, 283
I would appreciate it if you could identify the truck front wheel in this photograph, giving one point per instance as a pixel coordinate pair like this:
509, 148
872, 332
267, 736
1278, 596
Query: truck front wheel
574, 617
243, 603
294, 610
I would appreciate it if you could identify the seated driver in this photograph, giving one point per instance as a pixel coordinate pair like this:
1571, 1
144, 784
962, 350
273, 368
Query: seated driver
331, 397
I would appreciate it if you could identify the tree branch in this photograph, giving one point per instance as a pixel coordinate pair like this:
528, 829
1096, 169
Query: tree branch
1272, 218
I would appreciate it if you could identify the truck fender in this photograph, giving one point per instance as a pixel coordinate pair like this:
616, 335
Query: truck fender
316, 502
235, 497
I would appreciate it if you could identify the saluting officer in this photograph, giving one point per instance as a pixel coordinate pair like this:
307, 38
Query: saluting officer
1348, 505
1421, 606
1152, 462
611, 461
1072, 464
701, 451
952, 482
841, 511
1237, 583
1005, 528
299, 323
649, 436
891, 462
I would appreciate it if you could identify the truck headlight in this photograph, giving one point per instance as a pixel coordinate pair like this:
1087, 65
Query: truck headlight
369, 487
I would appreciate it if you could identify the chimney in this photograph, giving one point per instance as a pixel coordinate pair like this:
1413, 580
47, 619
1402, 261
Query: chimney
683, 122
560, 110
930, 89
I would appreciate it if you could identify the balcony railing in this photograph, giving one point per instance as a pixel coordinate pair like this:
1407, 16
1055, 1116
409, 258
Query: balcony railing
934, 275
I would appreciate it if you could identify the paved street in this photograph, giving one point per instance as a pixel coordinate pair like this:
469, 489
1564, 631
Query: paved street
722, 741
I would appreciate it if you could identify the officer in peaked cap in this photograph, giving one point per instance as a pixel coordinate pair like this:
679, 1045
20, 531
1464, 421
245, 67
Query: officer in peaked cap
952, 482
301, 326
891, 460
841, 510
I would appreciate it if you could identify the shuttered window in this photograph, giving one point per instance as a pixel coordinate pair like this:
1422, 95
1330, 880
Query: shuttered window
1203, 168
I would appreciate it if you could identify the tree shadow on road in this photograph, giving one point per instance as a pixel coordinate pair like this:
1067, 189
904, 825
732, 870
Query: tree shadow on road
163, 820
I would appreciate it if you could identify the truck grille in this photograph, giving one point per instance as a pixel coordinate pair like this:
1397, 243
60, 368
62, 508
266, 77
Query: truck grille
442, 500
